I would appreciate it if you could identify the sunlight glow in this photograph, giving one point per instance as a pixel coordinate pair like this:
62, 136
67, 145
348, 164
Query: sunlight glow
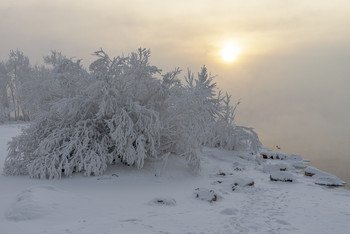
229, 53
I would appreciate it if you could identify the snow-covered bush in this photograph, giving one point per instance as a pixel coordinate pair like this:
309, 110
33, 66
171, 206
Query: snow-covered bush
220, 130
124, 110
99, 126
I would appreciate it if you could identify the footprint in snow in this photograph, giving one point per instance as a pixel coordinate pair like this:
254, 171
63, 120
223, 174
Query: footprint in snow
229, 211
38, 201
282, 222
131, 220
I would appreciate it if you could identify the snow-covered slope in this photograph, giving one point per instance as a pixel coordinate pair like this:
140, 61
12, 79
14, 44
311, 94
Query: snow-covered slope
232, 194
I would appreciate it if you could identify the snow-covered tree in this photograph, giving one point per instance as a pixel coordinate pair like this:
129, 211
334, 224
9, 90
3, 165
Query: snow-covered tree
27, 91
36, 93
48, 85
19, 70
4, 97
123, 111
68, 75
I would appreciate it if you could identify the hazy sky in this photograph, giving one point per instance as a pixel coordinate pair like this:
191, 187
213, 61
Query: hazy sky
292, 74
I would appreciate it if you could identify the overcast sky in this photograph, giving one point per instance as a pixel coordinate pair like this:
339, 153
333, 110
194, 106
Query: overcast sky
292, 74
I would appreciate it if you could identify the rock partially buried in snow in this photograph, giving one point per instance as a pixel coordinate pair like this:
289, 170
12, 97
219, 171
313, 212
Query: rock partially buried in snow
328, 180
282, 176
221, 174
295, 157
242, 182
299, 165
324, 178
269, 168
281, 155
297, 161
238, 167
207, 195
268, 154
163, 202
311, 171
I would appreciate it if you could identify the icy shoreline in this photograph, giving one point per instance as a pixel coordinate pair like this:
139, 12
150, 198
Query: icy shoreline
232, 194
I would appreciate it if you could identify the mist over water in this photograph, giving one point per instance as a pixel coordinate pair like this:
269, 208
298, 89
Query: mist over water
299, 101
331, 158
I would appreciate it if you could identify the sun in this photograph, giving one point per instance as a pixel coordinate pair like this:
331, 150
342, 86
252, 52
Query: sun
229, 53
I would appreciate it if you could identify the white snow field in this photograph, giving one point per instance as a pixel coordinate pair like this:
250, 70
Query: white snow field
232, 194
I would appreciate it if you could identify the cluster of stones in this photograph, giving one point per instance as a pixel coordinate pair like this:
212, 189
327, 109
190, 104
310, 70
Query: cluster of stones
281, 171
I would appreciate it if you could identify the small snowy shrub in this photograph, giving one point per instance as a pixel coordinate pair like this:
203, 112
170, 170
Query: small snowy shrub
124, 111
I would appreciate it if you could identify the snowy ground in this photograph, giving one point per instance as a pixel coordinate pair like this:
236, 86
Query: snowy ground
222, 199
